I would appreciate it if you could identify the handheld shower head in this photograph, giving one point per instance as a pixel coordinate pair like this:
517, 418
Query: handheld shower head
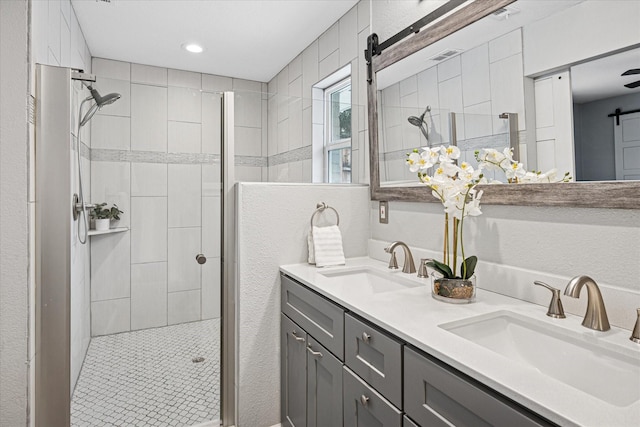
419, 122
100, 101
109, 98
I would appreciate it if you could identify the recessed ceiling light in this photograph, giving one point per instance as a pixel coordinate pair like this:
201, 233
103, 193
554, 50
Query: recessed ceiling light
192, 47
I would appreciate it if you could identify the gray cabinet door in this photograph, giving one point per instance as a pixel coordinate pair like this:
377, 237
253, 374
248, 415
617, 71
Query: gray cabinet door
293, 374
375, 357
406, 422
324, 387
364, 407
321, 318
435, 395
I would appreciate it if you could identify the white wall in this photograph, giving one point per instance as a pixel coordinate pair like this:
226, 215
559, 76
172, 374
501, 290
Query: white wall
520, 244
272, 226
16, 209
155, 154
589, 29
294, 119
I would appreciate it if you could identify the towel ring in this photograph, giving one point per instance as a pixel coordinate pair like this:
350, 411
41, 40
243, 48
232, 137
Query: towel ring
321, 206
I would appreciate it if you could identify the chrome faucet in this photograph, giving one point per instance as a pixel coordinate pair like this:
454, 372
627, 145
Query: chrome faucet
409, 266
596, 315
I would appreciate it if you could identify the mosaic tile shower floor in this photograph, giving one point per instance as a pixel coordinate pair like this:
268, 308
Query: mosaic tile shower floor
149, 378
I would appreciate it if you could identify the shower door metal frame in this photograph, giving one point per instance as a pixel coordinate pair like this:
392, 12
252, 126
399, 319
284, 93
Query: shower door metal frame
228, 394
53, 248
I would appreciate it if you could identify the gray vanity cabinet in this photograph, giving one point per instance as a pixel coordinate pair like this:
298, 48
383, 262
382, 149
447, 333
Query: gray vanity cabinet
324, 387
293, 373
436, 395
365, 407
380, 378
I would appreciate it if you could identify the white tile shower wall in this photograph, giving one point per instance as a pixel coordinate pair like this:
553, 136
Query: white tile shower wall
290, 104
264, 243
516, 245
80, 296
156, 157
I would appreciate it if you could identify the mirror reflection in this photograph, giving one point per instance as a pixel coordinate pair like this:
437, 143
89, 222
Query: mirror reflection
463, 88
607, 147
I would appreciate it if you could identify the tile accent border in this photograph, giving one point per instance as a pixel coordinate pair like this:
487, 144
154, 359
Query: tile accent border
296, 155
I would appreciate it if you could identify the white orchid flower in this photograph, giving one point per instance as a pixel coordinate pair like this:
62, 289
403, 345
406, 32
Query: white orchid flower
515, 171
413, 161
449, 153
425, 161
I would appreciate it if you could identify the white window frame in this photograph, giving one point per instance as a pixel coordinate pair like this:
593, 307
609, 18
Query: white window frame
329, 143
320, 167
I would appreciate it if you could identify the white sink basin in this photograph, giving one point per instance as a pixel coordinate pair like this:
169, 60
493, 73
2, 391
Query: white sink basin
579, 360
370, 280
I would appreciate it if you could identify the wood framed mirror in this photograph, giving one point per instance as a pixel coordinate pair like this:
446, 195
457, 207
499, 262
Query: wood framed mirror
521, 36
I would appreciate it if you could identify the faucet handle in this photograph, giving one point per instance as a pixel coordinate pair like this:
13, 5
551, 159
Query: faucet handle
422, 269
555, 306
393, 262
635, 335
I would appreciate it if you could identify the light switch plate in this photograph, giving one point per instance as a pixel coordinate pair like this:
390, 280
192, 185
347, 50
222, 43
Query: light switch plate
383, 212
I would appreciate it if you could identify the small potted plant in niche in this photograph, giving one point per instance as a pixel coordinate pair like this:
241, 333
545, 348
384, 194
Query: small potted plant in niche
114, 215
103, 216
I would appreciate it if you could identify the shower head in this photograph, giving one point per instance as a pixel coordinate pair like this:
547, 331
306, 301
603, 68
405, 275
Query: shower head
100, 101
419, 122
109, 98
416, 121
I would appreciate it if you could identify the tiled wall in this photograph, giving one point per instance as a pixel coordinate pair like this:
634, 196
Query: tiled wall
293, 116
477, 85
156, 153
58, 40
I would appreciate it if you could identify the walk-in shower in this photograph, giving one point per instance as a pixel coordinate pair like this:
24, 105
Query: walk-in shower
79, 206
129, 322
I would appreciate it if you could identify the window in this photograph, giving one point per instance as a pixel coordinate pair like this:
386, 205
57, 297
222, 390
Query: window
337, 140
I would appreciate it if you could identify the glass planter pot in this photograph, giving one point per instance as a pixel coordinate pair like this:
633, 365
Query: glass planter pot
454, 291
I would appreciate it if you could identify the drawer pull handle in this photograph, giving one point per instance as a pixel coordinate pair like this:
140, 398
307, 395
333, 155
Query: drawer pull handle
366, 337
364, 400
315, 353
297, 338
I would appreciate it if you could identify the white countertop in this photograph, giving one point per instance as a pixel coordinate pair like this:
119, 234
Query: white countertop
413, 315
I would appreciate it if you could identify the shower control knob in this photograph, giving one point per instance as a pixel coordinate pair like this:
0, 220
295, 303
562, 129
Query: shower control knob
201, 258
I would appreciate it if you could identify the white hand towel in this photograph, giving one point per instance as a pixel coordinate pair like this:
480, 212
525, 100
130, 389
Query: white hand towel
312, 258
327, 246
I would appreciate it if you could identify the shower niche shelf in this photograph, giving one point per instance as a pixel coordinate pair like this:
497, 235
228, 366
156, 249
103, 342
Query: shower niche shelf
109, 231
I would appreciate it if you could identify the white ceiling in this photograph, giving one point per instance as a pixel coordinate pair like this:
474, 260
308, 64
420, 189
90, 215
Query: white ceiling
602, 78
249, 39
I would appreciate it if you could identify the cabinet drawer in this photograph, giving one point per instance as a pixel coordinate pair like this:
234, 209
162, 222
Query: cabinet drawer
363, 406
436, 395
375, 357
322, 319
